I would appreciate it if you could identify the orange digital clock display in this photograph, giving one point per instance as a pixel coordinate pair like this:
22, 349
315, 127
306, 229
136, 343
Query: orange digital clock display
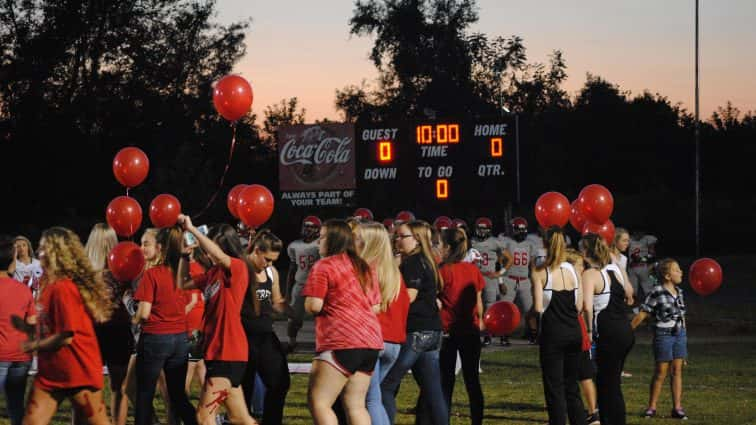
437, 134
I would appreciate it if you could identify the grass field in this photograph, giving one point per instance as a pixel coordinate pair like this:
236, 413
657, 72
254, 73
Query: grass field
719, 383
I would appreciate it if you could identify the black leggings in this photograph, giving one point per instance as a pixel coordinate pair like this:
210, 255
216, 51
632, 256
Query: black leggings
267, 358
611, 351
468, 347
559, 364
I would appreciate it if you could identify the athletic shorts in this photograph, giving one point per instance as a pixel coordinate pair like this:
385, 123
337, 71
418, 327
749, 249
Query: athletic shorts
233, 371
670, 345
586, 367
350, 361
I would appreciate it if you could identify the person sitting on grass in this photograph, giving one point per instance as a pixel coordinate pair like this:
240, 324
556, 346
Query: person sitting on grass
666, 304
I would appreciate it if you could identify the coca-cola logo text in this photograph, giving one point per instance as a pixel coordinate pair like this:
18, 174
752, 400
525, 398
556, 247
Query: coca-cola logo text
330, 150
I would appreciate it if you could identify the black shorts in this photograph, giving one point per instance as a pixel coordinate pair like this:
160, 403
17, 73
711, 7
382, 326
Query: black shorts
350, 361
233, 371
586, 367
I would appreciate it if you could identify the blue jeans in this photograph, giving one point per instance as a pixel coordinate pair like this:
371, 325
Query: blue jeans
423, 360
13, 385
670, 344
170, 353
386, 360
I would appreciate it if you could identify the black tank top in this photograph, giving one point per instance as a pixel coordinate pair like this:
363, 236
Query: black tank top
559, 322
612, 322
264, 322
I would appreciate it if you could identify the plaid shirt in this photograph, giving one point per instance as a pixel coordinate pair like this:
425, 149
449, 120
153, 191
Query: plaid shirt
665, 307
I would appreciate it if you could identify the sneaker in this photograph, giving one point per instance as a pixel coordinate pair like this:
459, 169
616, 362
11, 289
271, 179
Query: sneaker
679, 414
486, 341
593, 419
504, 341
532, 341
626, 374
650, 413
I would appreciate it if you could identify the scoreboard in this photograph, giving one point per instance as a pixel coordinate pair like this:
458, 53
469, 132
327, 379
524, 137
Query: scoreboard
434, 165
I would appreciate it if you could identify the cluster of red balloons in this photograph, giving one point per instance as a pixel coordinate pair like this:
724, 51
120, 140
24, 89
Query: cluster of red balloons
589, 213
232, 97
252, 204
501, 318
705, 276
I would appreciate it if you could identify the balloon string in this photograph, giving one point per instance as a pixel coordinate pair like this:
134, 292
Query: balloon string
223, 177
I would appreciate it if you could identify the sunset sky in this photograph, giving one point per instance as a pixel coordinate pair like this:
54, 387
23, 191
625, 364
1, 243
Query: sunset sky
302, 48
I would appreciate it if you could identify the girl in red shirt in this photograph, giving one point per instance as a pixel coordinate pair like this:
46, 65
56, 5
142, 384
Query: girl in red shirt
163, 345
343, 294
225, 344
462, 320
73, 296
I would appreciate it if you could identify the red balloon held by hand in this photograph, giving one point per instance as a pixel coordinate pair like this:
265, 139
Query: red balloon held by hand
232, 201
255, 205
232, 97
164, 210
705, 276
501, 318
124, 215
552, 209
596, 203
126, 261
130, 166
605, 230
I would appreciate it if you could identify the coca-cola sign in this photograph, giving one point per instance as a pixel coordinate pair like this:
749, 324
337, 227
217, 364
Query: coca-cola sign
317, 157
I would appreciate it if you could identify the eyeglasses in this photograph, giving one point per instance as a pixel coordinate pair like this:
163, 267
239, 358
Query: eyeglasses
397, 236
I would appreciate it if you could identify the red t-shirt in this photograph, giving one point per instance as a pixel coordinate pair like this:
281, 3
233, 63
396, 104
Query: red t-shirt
586, 343
224, 337
15, 300
394, 319
168, 312
347, 320
194, 317
75, 365
459, 297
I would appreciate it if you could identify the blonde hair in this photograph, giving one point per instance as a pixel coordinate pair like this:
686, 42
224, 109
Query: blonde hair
377, 253
663, 268
421, 230
573, 256
65, 257
556, 252
152, 232
618, 232
100, 242
28, 244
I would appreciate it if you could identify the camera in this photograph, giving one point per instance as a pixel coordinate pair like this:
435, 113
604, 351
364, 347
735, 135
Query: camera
189, 238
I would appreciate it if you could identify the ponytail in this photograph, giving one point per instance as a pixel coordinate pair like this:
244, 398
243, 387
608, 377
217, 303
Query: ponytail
557, 247
596, 249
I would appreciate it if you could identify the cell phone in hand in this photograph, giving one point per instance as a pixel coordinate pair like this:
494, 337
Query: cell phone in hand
189, 238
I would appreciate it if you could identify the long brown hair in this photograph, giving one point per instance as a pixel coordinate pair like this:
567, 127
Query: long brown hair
340, 240
456, 240
170, 241
65, 257
596, 250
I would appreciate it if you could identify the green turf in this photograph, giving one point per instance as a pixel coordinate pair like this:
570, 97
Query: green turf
719, 387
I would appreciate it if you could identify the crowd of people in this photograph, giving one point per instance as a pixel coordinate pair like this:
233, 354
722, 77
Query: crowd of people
387, 299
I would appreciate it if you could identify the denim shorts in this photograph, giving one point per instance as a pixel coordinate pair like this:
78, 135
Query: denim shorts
670, 345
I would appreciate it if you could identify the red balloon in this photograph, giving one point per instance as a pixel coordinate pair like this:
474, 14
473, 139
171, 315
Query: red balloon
255, 205
164, 210
577, 219
126, 261
502, 318
124, 215
596, 203
705, 276
130, 166
233, 199
606, 230
232, 97
552, 209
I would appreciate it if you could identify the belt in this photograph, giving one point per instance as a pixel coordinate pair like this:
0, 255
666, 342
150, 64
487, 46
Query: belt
518, 279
